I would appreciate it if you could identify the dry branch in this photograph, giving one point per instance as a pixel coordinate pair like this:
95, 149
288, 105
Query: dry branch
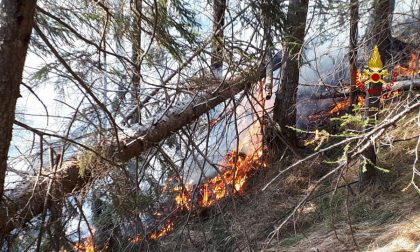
26, 201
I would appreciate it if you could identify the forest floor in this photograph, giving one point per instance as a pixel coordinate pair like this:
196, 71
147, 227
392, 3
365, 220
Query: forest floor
381, 218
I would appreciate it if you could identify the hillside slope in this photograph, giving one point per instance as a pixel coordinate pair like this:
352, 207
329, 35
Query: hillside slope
384, 217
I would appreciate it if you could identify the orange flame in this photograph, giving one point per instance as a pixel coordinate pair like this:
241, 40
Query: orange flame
340, 106
238, 165
169, 227
164, 231
136, 239
87, 246
412, 69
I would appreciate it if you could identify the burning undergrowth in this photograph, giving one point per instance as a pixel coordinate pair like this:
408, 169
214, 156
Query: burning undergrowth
342, 105
244, 226
239, 167
233, 172
179, 199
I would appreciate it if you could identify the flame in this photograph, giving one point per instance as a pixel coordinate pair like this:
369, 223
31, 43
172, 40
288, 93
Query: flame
169, 227
162, 232
412, 69
88, 245
375, 61
238, 165
340, 106
238, 170
136, 239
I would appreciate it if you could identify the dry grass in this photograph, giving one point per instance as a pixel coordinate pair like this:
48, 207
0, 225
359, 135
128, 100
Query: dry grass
382, 220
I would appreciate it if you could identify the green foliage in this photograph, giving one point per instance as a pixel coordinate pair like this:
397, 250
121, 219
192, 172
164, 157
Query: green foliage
90, 161
87, 161
320, 138
170, 31
42, 73
368, 161
349, 121
274, 11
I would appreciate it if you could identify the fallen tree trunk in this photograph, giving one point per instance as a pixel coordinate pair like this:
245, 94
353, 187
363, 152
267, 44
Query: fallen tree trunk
398, 85
26, 201
179, 116
407, 85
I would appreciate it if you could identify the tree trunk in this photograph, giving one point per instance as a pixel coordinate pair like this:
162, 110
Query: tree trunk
368, 172
176, 118
16, 21
27, 199
381, 29
219, 7
269, 62
381, 37
354, 20
285, 103
136, 58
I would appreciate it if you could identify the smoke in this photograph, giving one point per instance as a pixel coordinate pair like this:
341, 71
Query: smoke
325, 70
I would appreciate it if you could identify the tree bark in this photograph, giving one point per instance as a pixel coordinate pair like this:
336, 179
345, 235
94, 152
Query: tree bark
368, 172
219, 7
16, 22
381, 36
136, 58
27, 199
285, 103
267, 24
173, 120
354, 20
381, 29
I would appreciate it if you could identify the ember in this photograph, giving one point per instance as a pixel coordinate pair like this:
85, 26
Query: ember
164, 231
237, 167
136, 239
87, 246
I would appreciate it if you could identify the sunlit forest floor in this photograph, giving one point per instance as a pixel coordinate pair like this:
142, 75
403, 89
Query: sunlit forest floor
384, 217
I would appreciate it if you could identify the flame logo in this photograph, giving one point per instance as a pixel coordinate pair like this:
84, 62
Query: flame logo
375, 62
375, 73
